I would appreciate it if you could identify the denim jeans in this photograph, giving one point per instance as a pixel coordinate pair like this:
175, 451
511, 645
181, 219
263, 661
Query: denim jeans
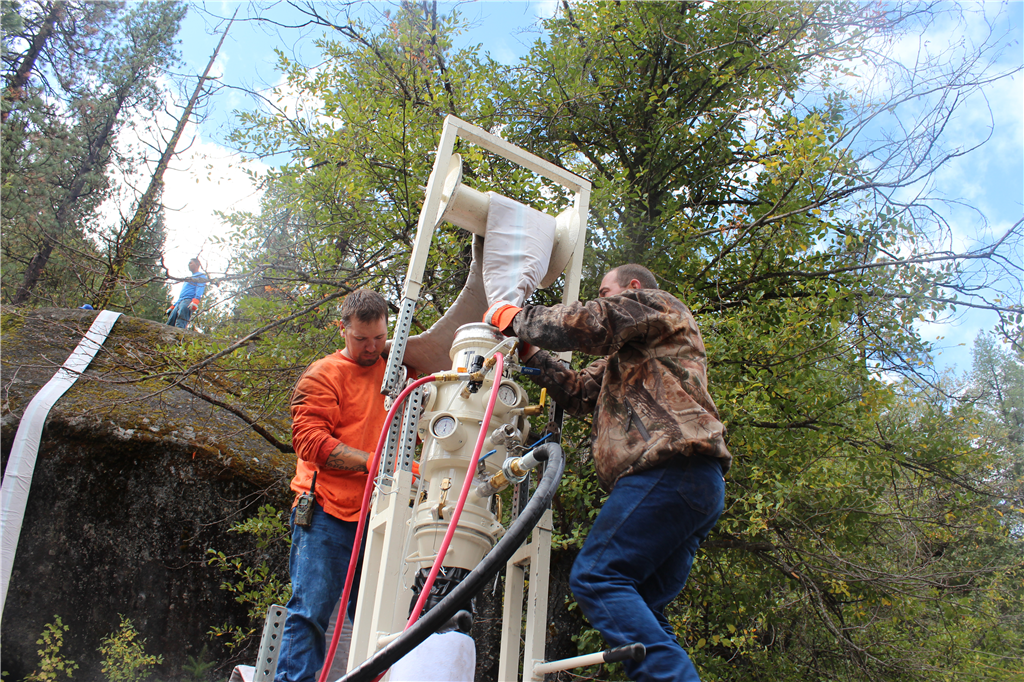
181, 313
318, 564
638, 555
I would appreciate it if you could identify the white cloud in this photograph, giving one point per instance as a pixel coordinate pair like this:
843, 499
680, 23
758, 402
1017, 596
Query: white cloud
545, 9
208, 178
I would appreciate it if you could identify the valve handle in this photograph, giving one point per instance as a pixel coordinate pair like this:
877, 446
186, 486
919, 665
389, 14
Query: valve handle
635, 651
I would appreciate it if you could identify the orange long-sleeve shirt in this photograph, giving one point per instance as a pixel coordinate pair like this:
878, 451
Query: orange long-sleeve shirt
336, 401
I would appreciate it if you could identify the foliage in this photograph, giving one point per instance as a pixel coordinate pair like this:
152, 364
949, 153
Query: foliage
257, 585
342, 212
93, 66
753, 200
198, 668
52, 665
124, 654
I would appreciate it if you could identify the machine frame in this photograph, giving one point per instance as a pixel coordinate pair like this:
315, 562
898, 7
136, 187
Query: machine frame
384, 596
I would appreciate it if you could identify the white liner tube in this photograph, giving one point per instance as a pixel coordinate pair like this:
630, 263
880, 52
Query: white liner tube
25, 449
635, 651
542, 669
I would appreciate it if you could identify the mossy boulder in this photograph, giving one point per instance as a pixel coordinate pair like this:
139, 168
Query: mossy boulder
136, 479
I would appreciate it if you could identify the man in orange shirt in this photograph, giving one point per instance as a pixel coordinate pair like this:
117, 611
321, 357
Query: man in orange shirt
337, 416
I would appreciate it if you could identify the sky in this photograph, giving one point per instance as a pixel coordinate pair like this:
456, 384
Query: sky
210, 176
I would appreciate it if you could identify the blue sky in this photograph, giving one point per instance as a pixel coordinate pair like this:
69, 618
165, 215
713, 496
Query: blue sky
985, 188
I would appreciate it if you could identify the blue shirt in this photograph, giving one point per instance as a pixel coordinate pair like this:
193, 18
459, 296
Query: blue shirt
194, 287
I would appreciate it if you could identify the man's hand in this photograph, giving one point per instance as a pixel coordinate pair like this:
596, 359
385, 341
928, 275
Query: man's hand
194, 305
168, 311
344, 458
501, 314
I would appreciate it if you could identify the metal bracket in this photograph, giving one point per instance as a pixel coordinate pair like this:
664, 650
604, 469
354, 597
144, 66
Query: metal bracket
407, 445
385, 471
270, 644
393, 376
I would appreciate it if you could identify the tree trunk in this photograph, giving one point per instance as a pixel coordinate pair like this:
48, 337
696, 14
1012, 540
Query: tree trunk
147, 206
63, 215
16, 84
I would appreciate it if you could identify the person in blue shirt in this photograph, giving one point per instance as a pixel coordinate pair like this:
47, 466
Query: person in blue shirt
188, 300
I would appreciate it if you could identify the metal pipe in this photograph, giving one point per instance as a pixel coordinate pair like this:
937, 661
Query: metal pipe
635, 651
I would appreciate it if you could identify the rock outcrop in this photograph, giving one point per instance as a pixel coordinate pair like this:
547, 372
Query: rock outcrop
136, 479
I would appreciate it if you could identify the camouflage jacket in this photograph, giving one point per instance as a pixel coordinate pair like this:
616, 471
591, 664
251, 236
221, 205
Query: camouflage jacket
648, 395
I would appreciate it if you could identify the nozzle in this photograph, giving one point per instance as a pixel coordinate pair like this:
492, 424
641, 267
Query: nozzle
452, 376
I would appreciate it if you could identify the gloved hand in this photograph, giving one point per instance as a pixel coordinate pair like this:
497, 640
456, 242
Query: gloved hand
169, 309
194, 305
501, 314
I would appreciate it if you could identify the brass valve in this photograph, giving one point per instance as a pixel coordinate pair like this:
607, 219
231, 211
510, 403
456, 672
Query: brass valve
534, 410
446, 485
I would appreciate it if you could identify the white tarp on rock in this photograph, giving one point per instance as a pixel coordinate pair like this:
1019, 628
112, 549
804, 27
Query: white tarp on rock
22, 462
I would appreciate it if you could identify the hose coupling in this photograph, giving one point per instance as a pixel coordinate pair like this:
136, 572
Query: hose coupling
506, 434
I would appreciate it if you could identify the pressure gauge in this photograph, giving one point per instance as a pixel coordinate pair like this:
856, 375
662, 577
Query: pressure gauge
508, 395
443, 426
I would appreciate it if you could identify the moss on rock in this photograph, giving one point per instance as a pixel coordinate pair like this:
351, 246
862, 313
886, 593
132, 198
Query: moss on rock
136, 478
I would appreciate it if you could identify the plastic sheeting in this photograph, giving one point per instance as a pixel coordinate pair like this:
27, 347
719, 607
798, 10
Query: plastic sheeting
507, 265
448, 657
22, 462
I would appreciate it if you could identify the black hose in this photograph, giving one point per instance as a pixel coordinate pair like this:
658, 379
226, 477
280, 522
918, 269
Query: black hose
433, 619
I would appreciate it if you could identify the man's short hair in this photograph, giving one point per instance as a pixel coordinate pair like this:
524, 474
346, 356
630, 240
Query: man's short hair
197, 262
364, 305
624, 274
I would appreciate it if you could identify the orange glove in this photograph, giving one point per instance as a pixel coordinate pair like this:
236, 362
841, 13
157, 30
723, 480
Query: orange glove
194, 305
526, 351
501, 314
168, 311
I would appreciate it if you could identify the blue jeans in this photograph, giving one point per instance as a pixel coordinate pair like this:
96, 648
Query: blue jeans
180, 314
318, 564
638, 555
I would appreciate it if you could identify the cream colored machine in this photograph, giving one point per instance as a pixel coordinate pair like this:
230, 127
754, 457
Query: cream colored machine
408, 519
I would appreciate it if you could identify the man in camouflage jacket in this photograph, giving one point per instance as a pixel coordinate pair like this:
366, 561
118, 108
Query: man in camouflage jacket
657, 445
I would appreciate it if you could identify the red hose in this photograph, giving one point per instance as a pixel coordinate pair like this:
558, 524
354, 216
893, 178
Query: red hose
371, 466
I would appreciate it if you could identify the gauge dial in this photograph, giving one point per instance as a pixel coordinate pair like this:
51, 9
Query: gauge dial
507, 395
443, 426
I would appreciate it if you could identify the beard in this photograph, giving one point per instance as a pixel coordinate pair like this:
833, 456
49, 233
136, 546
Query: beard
367, 361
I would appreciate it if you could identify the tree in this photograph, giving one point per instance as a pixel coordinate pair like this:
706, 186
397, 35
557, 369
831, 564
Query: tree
709, 130
995, 392
730, 155
74, 173
50, 40
342, 212
132, 230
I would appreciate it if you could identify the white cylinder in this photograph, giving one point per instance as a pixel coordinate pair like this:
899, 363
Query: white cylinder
450, 431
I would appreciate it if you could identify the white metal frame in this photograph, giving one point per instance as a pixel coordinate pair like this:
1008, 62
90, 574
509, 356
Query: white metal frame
384, 596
